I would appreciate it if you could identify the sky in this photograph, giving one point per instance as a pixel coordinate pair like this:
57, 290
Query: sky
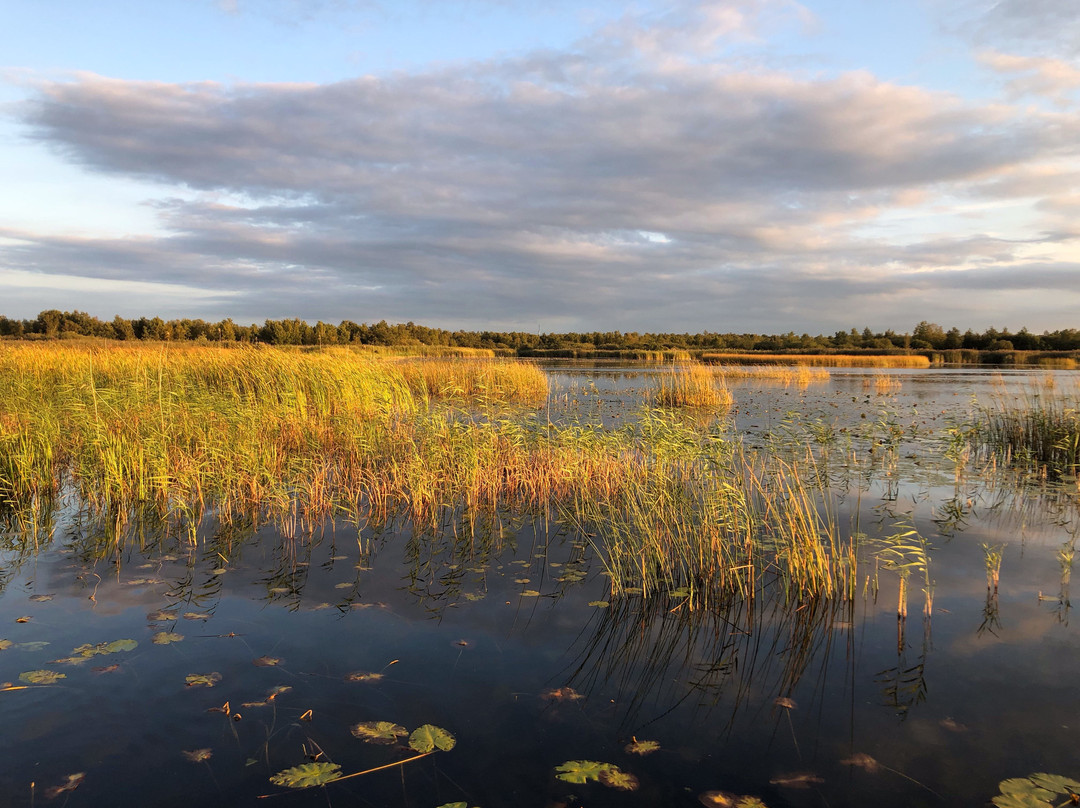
755, 166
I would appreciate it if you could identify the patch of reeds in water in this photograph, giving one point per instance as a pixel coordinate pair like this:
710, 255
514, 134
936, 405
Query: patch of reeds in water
178, 436
882, 383
801, 375
693, 386
1041, 429
820, 360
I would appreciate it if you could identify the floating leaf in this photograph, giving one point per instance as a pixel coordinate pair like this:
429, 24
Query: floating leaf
266, 662
344, 585
161, 614
307, 775
86, 651
25, 619
197, 755
277, 691
71, 660
599, 604
36, 645
218, 571
863, 761
41, 598
522, 581
5, 644
41, 677
614, 777
428, 738
581, 771
384, 732
1036, 791
363, 676
722, 799
475, 596
117, 646
530, 593
106, 669
561, 694
801, 780
786, 703
70, 784
166, 637
197, 616
454, 805
642, 747
202, 679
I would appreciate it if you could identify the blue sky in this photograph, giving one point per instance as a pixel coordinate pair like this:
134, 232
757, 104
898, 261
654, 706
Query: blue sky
765, 165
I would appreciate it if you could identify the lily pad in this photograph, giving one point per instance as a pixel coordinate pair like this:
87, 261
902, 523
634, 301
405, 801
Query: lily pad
599, 604
428, 738
1036, 791
197, 616
160, 615
166, 637
307, 775
642, 747
41, 598
363, 676
70, 784
197, 755
266, 662
614, 777
561, 694
384, 732
41, 677
35, 645
5, 644
581, 771
202, 679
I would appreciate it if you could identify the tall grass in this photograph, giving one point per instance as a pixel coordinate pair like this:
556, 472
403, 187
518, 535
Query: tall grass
800, 375
820, 360
178, 436
1040, 429
693, 386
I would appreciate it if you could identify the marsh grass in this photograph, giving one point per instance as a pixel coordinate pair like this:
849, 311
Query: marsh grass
1041, 429
882, 384
693, 386
820, 360
801, 376
135, 436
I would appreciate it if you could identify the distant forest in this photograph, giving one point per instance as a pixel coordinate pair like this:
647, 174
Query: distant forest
54, 324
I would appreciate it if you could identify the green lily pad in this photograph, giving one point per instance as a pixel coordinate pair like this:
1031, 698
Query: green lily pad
166, 637
307, 775
428, 738
1035, 791
202, 679
581, 771
384, 732
41, 677
642, 747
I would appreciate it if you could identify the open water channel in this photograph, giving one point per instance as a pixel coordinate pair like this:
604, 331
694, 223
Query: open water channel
202, 671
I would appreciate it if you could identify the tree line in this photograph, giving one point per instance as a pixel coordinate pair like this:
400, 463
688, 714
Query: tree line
54, 324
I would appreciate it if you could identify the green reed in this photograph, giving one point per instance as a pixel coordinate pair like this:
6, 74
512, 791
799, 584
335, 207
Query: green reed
1040, 429
243, 436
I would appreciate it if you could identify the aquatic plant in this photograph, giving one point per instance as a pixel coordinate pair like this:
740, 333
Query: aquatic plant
1037, 791
1041, 429
693, 386
992, 557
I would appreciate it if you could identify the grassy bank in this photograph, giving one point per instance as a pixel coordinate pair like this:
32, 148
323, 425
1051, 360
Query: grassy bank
819, 360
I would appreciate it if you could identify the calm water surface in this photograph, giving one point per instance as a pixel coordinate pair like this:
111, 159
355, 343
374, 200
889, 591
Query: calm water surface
505, 635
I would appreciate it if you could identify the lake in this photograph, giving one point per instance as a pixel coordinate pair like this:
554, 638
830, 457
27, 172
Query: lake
193, 674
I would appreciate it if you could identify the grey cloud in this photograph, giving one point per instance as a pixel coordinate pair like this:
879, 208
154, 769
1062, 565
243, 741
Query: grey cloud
505, 193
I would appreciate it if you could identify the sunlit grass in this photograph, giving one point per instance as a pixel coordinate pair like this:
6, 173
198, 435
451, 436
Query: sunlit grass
178, 436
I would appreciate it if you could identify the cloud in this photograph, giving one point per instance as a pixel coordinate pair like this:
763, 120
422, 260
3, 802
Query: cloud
1055, 79
629, 182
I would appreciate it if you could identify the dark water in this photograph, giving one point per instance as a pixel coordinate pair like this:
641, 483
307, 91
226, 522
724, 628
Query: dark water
504, 635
